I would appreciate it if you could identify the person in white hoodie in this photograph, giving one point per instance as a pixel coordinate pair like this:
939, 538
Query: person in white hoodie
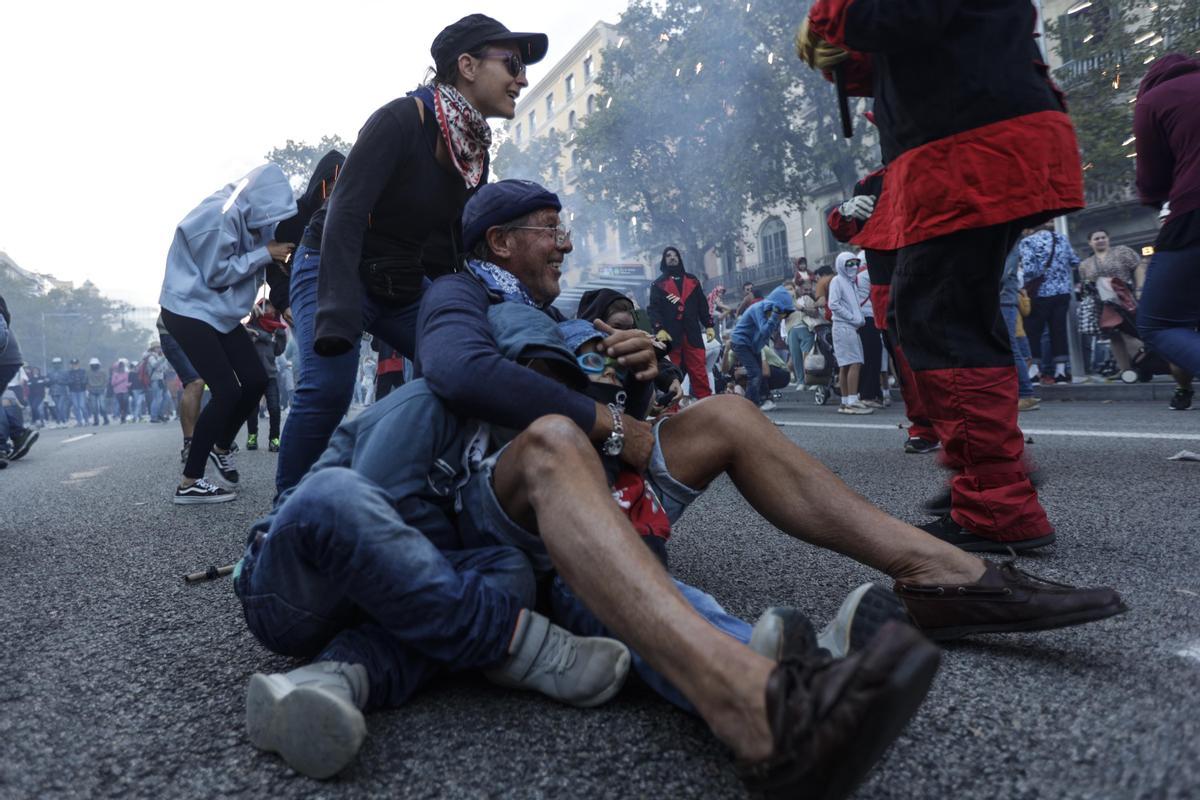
215, 266
848, 317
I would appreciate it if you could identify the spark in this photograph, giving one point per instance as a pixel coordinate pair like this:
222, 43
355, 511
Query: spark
620, 42
664, 37
1157, 41
600, 169
1117, 81
1131, 155
747, 8
1145, 37
807, 232
678, 71
633, 221
609, 103
1089, 37
770, 58
1149, 58
1088, 166
1133, 99
1129, 141
699, 66
1075, 9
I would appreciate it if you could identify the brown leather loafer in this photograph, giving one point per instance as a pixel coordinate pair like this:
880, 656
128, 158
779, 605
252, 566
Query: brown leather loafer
833, 719
1005, 600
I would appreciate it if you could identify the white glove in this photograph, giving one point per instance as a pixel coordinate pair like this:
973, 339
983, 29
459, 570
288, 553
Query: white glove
858, 207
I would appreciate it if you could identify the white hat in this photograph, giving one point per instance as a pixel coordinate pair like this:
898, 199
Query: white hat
94, 362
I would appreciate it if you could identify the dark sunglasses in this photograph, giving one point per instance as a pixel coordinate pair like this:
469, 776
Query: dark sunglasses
512, 61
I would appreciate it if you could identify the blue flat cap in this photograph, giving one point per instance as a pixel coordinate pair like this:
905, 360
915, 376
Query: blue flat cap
500, 202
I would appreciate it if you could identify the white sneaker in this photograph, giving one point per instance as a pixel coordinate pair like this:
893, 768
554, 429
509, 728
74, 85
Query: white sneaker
856, 408
768, 406
582, 671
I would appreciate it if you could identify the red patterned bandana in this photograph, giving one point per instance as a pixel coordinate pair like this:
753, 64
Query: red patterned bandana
465, 131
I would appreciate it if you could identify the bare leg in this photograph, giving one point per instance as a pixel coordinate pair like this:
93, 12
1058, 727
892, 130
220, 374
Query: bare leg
798, 495
189, 407
550, 479
1121, 347
852, 373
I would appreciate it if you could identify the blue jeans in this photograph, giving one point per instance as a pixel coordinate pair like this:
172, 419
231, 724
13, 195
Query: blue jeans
158, 396
137, 403
79, 406
62, 406
341, 577
1169, 310
325, 384
752, 361
573, 615
1024, 387
800, 341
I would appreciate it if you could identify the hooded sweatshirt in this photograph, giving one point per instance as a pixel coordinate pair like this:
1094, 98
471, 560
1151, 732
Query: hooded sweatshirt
843, 293
1166, 121
686, 320
759, 321
219, 256
594, 304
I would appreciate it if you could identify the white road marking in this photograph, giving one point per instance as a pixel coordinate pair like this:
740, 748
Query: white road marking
1187, 437
77, 438
1192, 651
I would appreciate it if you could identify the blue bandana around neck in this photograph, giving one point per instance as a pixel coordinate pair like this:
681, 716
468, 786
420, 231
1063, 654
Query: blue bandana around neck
502, 282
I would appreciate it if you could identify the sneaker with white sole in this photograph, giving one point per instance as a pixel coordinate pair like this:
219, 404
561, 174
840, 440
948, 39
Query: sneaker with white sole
783, 634
226, 464
310, 716
202, 492
581, 671
768, 406
864, 611
22, 442
855, 408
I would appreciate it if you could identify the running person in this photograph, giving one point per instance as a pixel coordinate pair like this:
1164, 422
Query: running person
214, 269
392, 223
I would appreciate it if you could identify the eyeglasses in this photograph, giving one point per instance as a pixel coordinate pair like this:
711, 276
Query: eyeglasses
512, 61
596, 363
562, 234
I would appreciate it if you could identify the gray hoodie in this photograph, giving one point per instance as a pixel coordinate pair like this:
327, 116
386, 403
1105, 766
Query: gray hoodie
844, 302
219, 255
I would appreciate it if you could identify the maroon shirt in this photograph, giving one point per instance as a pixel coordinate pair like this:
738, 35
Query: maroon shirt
1166, 121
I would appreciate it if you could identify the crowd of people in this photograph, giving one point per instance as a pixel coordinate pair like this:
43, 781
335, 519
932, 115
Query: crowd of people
504, 505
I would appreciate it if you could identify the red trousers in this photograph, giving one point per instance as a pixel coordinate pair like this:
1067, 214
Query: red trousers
946, 300
691, 359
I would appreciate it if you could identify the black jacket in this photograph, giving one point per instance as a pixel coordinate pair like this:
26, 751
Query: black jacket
292, 230
687, 319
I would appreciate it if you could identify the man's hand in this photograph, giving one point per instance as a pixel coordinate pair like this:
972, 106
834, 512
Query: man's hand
633, 350
639, 443
859, 207
815, 51
280, 250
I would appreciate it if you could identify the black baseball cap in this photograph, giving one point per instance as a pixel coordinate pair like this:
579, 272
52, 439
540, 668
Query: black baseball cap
475, 30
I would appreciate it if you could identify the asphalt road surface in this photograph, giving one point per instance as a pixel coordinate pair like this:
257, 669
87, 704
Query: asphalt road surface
120, 681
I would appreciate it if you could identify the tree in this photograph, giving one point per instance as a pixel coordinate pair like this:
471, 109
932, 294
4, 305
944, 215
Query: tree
1107, 47
299, 159
708, 118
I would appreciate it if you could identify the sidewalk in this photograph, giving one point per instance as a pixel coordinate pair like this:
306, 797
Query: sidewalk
1161, 388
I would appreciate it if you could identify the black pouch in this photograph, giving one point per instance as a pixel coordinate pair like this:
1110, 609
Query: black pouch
394, 280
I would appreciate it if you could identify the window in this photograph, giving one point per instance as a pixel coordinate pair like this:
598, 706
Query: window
729, 258
570, 85
550, 105
587, 69
518, 137
571, 120
532, 122
1085, 27
772, 239
591, 103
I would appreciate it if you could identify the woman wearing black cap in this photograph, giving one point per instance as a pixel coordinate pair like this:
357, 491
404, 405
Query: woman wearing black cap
392, 222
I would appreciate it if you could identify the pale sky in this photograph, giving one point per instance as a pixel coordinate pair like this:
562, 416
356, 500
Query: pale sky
117, 118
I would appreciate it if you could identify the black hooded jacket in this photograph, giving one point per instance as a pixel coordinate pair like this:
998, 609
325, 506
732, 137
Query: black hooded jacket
687, 318
292, 230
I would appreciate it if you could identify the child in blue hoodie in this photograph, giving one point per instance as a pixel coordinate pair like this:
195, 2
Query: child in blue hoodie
753, 333
215, 266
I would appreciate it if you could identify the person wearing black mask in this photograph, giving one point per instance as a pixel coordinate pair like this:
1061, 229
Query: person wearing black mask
678, 307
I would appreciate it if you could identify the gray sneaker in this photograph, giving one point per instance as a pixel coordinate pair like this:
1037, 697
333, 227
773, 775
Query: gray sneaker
310, 716
783, 634
864, 611
582, 671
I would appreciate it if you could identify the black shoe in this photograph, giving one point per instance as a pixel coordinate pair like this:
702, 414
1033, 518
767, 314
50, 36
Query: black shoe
1062, 378
202, 492
831, 720
916, 444
225, 464
783, 634
951, 532
939, 504
1181, 400
251, 441
22, 443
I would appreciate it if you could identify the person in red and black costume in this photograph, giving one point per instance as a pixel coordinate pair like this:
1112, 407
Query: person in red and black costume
679, 307
847, 221
977, 145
